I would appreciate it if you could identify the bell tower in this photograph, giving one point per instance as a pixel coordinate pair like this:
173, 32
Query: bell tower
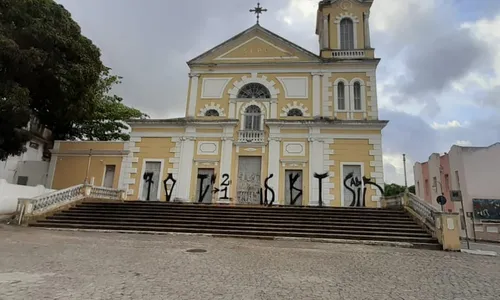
343, 29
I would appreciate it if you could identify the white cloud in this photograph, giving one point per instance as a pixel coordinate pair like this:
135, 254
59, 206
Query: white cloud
447, 125
298, 11
394, 169
463, 143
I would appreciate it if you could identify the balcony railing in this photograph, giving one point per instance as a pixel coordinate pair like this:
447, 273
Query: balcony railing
348, 53
251, 136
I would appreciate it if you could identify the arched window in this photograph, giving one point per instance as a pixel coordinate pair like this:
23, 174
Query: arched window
254, 90
212, 113
341, 96
253, 116
346, 34
295, 112
357, 96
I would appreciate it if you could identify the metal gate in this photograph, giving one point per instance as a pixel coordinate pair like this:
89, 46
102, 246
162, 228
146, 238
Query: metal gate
249, 180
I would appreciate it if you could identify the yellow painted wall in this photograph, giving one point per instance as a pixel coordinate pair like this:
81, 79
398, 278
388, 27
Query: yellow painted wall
152, 148
351, 150
71, 169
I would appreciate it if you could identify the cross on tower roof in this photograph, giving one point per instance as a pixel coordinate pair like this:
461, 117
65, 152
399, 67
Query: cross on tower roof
258, 10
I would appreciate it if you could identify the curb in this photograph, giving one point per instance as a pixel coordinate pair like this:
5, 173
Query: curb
275, 238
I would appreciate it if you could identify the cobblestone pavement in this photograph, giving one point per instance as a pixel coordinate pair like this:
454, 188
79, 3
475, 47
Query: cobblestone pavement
42, 264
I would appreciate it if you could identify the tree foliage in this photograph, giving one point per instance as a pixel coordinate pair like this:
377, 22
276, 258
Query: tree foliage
396, 189
50, 70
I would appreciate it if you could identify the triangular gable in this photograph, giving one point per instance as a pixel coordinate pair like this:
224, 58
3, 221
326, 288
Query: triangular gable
255, 44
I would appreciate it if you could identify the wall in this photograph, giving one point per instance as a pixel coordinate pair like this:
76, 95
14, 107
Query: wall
36, 171
419, 180
446, 182
9, 194
69, 162
9, 167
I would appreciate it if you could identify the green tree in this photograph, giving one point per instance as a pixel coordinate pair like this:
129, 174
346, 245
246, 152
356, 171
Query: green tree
411, 189
49, 70
393, 189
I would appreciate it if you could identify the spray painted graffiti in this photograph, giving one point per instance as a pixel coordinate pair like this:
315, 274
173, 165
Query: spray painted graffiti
173, 181
148, 177
353, 184
292, 180
320, 178
204, 189
226, 182
264, 200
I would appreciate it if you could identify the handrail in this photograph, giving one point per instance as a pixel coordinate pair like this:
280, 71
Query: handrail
424, 210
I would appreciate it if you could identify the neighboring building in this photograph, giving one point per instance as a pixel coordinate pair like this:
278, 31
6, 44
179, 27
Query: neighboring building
265, 119
471, 170
31, 167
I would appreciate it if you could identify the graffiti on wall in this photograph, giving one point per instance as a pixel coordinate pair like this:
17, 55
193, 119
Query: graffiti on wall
354, 184
148, 178
264, 195
292, 180
172, 181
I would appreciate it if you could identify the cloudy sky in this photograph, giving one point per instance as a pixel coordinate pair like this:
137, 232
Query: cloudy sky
438, 81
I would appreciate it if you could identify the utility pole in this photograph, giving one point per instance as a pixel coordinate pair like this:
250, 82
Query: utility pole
404, 166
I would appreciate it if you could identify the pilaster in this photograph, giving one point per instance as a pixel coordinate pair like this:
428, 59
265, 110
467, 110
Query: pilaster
193, 94
226, 157
186, 165
326, 95
274, 108
366, 22
273, 166
316, 94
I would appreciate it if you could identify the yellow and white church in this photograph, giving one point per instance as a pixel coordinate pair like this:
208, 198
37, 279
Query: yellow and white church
266, 122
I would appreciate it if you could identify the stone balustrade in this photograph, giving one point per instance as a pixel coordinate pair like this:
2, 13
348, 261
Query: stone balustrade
29, 208
251, 136
348, 54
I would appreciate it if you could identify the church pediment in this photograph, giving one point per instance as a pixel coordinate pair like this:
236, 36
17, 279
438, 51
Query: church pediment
255, 45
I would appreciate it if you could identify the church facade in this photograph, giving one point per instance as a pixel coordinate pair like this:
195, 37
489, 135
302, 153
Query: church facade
266, 122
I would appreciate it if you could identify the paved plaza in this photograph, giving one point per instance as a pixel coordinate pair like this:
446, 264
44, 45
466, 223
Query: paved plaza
43, 264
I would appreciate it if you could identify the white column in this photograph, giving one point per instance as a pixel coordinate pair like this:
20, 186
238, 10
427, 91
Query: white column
274, 109
366, 21
185, 168
315, 166
326, 33
225, 165
273, 167
316, 94
193, 94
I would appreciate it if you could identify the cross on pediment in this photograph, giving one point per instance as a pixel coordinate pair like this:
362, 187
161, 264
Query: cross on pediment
258, 11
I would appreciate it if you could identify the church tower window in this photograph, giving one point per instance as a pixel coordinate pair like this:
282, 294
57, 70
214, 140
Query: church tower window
357, 96
254, 91
295, 112
346, 34
212, 113
341, 96
252, 117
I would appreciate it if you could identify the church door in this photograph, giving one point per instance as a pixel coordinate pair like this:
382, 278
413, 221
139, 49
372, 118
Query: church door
352, 185
249, 183
293, 187
151, 181
204, 186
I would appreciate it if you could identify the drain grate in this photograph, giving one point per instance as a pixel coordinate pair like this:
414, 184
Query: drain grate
196, 250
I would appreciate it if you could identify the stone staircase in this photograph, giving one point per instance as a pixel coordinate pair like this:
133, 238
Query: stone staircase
368, 224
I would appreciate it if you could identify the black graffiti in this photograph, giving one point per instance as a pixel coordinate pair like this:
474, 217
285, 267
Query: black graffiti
358, 198
320, 178
148, 177
168, 194
203, 192
293, 179
225, 187
264, 199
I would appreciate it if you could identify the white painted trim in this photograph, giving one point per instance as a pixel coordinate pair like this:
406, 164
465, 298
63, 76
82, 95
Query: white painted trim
342, 164
221, 57
280, 79
355, 21
286, 135
336, 95
53, 165
269, 84
316, 94
326, 96
141, 182
363, 96
193, 95
210, 106
224, 86
300, 106
263, 113
333, 68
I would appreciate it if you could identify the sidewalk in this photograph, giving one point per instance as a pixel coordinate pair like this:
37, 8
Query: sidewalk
483, 246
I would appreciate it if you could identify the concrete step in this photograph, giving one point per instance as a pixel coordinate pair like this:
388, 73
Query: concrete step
269, 219
239, 231
238, 223
319, 214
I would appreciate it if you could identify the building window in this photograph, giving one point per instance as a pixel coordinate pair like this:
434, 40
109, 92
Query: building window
357, 96
447, 183
426, 188
341, 96
458, 180
212, 113
346, 34
295, 112
34, 145
254, 91
253, 117
418, 189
